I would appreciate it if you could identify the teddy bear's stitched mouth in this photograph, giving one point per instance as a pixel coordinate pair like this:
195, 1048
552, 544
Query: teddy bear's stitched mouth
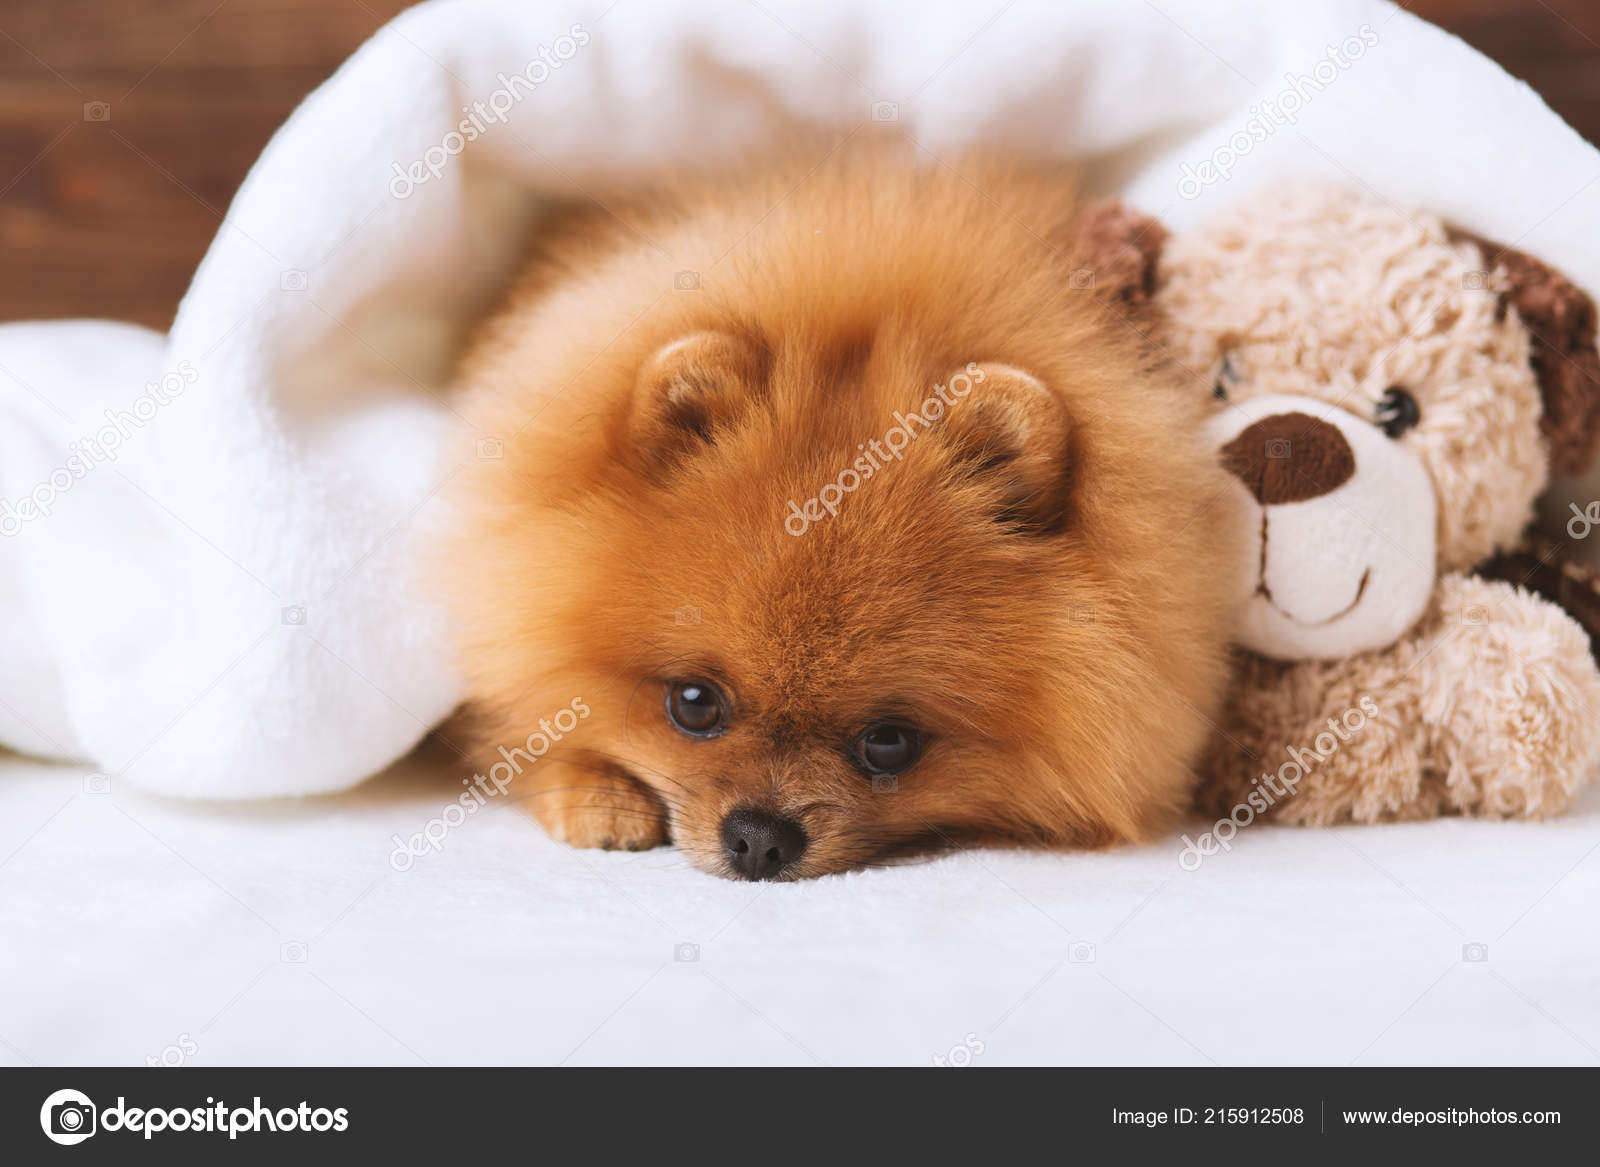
1361, 590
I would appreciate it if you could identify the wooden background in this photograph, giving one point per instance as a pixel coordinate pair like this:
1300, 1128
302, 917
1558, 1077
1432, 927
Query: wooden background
108, 216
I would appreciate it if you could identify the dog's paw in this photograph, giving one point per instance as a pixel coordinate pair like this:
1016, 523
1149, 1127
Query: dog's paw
610, 815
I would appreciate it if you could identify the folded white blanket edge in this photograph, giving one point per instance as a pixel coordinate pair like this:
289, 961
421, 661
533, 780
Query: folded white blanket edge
212, 540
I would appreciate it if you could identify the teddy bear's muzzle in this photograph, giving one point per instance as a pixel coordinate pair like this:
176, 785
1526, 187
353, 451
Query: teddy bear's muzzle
1342, 517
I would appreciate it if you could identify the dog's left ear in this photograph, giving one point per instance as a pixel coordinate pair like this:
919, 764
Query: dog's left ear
1011, 440
1119, 248
1560, 319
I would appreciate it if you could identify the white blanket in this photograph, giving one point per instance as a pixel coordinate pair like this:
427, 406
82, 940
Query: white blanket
208, 539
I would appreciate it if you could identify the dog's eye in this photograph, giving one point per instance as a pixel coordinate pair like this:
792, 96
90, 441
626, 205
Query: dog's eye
1397, 411
887, 748
696, 708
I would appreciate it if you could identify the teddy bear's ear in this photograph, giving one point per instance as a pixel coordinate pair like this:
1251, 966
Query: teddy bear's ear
1560, 319
1120, 247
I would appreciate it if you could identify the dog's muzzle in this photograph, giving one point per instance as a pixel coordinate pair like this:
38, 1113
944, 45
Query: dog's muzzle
1342, 558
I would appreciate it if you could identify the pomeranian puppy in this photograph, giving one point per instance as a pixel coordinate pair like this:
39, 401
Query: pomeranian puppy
833, 509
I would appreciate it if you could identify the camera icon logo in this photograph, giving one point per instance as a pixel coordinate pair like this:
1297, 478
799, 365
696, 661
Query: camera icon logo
1278, 448
885, 784
97, 784
1081, 953
687, 616
490, 448
686, 281
1475, 953
1081, 279
1474, 615
686, 953
293, 614
68, 1117
885, 111
293, 952
96, 111
293, 280
1475, 281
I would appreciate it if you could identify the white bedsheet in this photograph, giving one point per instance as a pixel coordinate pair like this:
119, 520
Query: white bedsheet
135, 928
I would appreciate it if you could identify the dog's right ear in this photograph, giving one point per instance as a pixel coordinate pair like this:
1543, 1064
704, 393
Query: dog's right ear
1115, 252
1011, 441
689, 390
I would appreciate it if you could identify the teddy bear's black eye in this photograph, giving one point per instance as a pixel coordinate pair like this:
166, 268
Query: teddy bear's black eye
887, 748
696, 708
1226, 377
1397, 411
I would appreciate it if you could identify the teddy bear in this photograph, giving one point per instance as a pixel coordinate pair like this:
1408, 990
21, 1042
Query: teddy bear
1392, 397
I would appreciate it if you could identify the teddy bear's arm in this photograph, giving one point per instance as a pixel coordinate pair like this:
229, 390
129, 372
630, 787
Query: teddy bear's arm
1490, 706
1509, 695
1316, 742
1547, 568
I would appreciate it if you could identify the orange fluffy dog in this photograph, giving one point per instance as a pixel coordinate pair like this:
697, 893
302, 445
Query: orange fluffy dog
839, 512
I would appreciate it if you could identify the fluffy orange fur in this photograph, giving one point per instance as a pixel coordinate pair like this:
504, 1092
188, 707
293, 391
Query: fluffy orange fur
1036, 583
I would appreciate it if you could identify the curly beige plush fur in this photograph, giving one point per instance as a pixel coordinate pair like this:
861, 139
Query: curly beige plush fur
1490, 704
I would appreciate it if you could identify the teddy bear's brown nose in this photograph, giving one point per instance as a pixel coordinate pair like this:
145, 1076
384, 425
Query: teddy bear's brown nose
1290, 457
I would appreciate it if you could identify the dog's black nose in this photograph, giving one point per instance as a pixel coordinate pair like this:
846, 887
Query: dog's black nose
760, 845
